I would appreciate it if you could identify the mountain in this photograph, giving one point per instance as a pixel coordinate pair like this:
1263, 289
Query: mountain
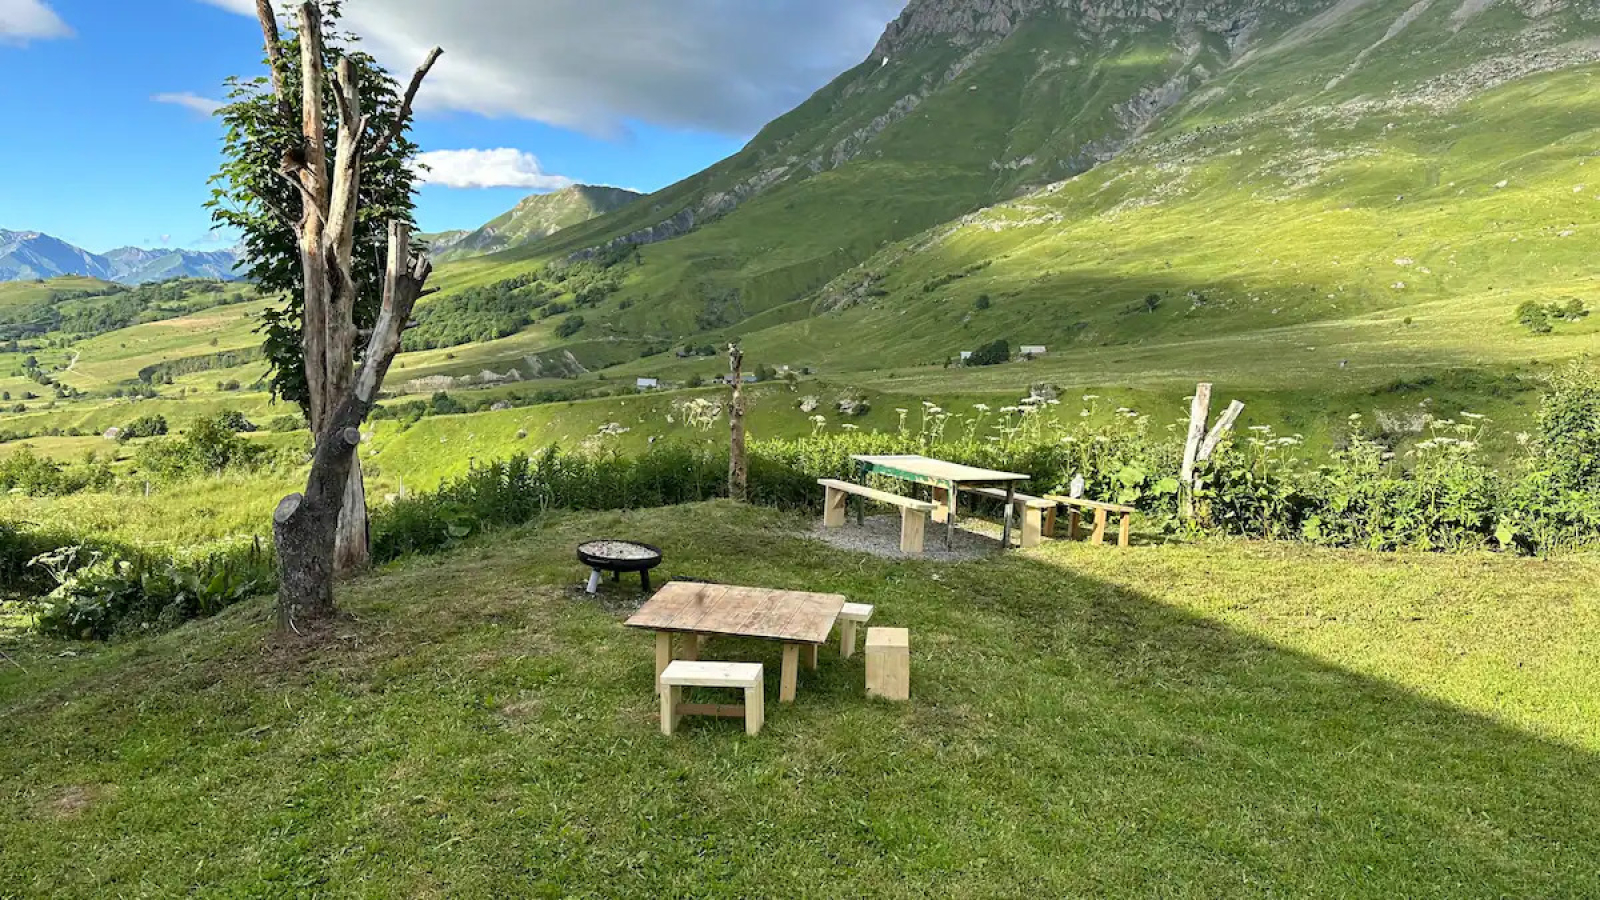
30, 255
132, 265
537, 216
1249, 164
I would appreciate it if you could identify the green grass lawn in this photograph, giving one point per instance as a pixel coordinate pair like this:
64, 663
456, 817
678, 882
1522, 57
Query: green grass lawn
1216, 719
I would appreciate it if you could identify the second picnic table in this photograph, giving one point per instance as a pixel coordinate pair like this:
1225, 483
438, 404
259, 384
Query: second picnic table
946, 479
798, 619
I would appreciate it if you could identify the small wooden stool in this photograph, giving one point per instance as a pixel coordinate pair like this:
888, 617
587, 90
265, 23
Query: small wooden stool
684, 673
853, 614
889, 663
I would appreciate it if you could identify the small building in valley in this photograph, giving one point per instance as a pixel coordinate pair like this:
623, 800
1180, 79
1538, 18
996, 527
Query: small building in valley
1032, 351
647, 384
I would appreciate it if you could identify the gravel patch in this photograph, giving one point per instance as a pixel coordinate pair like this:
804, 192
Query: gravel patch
880, 536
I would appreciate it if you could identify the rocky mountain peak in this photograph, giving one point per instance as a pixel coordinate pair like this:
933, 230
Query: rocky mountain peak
970, 22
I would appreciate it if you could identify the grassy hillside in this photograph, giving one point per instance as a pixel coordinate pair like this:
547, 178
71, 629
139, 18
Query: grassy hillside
1359, 193
537, 216
1191, 721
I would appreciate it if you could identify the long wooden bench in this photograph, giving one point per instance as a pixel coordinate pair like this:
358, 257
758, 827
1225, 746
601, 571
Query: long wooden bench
1102, 513
913, 513
1038, 515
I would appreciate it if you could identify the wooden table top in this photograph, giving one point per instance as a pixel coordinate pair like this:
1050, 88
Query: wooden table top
937, 469
794, 617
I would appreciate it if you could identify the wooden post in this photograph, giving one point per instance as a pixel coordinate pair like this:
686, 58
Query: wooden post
1199, 411
738, 471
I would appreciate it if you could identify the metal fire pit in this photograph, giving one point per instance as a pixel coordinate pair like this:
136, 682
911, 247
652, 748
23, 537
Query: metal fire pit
617, 557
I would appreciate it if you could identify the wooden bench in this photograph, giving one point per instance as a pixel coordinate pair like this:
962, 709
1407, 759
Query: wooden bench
1037, 514
684, 673
913, 513
1102, 512
853, 614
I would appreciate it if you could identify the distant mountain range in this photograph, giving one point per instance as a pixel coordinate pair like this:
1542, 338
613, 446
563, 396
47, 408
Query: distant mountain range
537, 216
31, 255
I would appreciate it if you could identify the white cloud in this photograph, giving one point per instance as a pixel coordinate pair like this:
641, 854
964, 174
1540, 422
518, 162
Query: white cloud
727, 66
25, 20
501, 167
205, 106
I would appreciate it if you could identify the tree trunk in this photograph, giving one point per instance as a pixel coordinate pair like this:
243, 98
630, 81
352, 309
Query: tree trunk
1199, 412
353, 549
305, 527
738, 469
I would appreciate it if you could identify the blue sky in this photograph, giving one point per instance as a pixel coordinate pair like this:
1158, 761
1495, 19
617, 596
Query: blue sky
109, 143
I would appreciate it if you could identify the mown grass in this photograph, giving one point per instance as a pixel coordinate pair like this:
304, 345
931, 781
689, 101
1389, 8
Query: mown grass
1217, 719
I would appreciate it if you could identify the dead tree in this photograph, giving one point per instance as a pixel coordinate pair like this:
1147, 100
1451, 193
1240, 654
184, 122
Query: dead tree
1200, 445
738, 467
324, 530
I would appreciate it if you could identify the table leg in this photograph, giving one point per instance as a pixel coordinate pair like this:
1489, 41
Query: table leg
690, 647
791, 673
663, 655
1005, 527
809, 651
950, 518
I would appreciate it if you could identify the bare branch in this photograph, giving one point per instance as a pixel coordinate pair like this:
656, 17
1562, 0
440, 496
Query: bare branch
274, 44
403, 283
403, 115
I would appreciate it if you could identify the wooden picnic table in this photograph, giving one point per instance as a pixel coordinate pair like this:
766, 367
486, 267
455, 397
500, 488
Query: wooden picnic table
801, 621
947, 480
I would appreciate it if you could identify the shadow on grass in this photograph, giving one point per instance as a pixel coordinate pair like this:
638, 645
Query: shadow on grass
482, 731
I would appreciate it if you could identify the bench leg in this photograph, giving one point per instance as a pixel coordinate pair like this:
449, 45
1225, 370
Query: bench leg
669, 709
663, 655
1032, 527
913, 522
1005, 526
1099, 538
950, 518
847, 639
790, 673
755, 713
1072, 523
833, 508
1050, 523
1125, 537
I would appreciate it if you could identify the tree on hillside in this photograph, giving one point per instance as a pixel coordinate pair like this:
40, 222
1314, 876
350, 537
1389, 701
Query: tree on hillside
991, 354
259, 191
347, 146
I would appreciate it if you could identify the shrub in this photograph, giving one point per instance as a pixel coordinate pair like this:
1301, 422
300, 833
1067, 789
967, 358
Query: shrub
143, 427
99, 596
209, 447
991, 354
285, 424
234, 420
569, 326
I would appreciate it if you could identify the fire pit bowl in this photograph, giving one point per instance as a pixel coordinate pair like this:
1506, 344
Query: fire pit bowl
616, 557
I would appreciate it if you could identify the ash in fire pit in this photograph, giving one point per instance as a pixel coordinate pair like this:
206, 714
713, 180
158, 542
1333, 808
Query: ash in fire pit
617, 557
